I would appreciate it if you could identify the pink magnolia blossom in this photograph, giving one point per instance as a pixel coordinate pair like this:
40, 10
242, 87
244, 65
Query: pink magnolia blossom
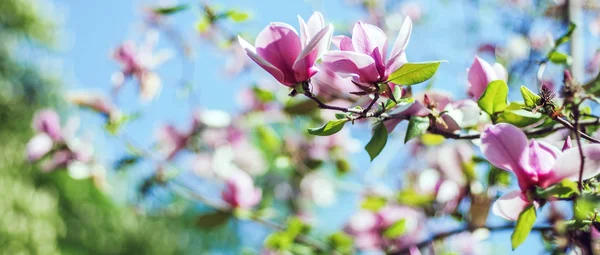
92, 100
290, 57
47, 121
139, 62
363, 57
240, 191
534, 163
481, 74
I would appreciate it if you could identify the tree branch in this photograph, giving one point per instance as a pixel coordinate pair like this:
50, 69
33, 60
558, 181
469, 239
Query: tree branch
444, 235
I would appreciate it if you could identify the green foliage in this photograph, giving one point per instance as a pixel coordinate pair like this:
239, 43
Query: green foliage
373, 203
566, 36
559, 58
562, 190
213, 219
171, 9
268, 139
378, 140
328, 129
395, 230
237, 16
531, 99
413, 73
341, 243
523, 227
494, 98
417, 126
284, 240
516, 114
587, 207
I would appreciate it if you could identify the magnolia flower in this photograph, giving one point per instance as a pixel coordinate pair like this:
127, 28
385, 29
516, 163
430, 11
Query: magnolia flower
171, 140
367, 227
240, 191
481, 74
285, 55
47, 121
534, 163
139, 62
363, 56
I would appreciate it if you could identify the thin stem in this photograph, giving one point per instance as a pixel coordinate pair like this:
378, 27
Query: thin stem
444, 235
581, 156
322, 105
578, 133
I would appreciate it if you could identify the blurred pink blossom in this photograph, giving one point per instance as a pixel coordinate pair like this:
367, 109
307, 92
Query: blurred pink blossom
240, 192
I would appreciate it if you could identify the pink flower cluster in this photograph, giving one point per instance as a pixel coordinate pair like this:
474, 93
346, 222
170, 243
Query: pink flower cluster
291, 57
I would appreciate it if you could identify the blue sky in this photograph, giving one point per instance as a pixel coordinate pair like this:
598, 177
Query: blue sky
93, 28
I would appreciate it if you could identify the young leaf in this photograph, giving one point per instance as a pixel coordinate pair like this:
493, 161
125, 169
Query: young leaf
330, 128
170, 10
523, 227
378, 140
520, 118
237, 16
531, 99
566, 37
417, 126
395, 230
494, 97
413, 73
268, 138
373, 203
559, 57
563, 189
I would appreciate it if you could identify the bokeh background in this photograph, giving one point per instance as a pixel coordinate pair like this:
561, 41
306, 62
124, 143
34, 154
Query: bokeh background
50, 47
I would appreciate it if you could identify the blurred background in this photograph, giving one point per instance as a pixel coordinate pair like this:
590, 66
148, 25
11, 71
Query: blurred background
59, 54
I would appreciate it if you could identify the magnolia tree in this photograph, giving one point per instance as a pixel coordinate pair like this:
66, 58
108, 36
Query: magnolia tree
532, 161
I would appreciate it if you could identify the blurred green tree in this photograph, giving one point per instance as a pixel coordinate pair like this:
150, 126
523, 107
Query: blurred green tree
43, 213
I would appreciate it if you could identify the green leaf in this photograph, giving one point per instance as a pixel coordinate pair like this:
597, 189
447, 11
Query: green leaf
341, 242
330, 128
417, 126
170, 10
237, 16
587, 207
378, 140
563, 189
373, 203
566, 37
126, 162
411, 197
523, 227
395, 230
340, 116
263, 95
279, 241
211, 220
303, 107
413, 73
494, 97
268, 138
520, 118
342, 166
531, 99
559, 57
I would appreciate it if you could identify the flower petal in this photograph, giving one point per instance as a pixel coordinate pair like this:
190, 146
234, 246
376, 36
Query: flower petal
506, 147
280, 45
38, 146
568, 163
349, 63
304, 65
542, 156
343, 42
480, 75
510, 205
47, 121
367, 38
251, 51
400, 44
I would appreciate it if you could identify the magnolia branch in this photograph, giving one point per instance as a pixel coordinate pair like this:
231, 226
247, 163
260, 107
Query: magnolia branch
444, 235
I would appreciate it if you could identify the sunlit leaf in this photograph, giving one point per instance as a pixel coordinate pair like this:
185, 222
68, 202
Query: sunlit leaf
567, 36
563, 189
494, 97
373, 203
523, 227
559, 58
395, 230
531, 99
268, 138
413, 73
237, 16
330, 128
